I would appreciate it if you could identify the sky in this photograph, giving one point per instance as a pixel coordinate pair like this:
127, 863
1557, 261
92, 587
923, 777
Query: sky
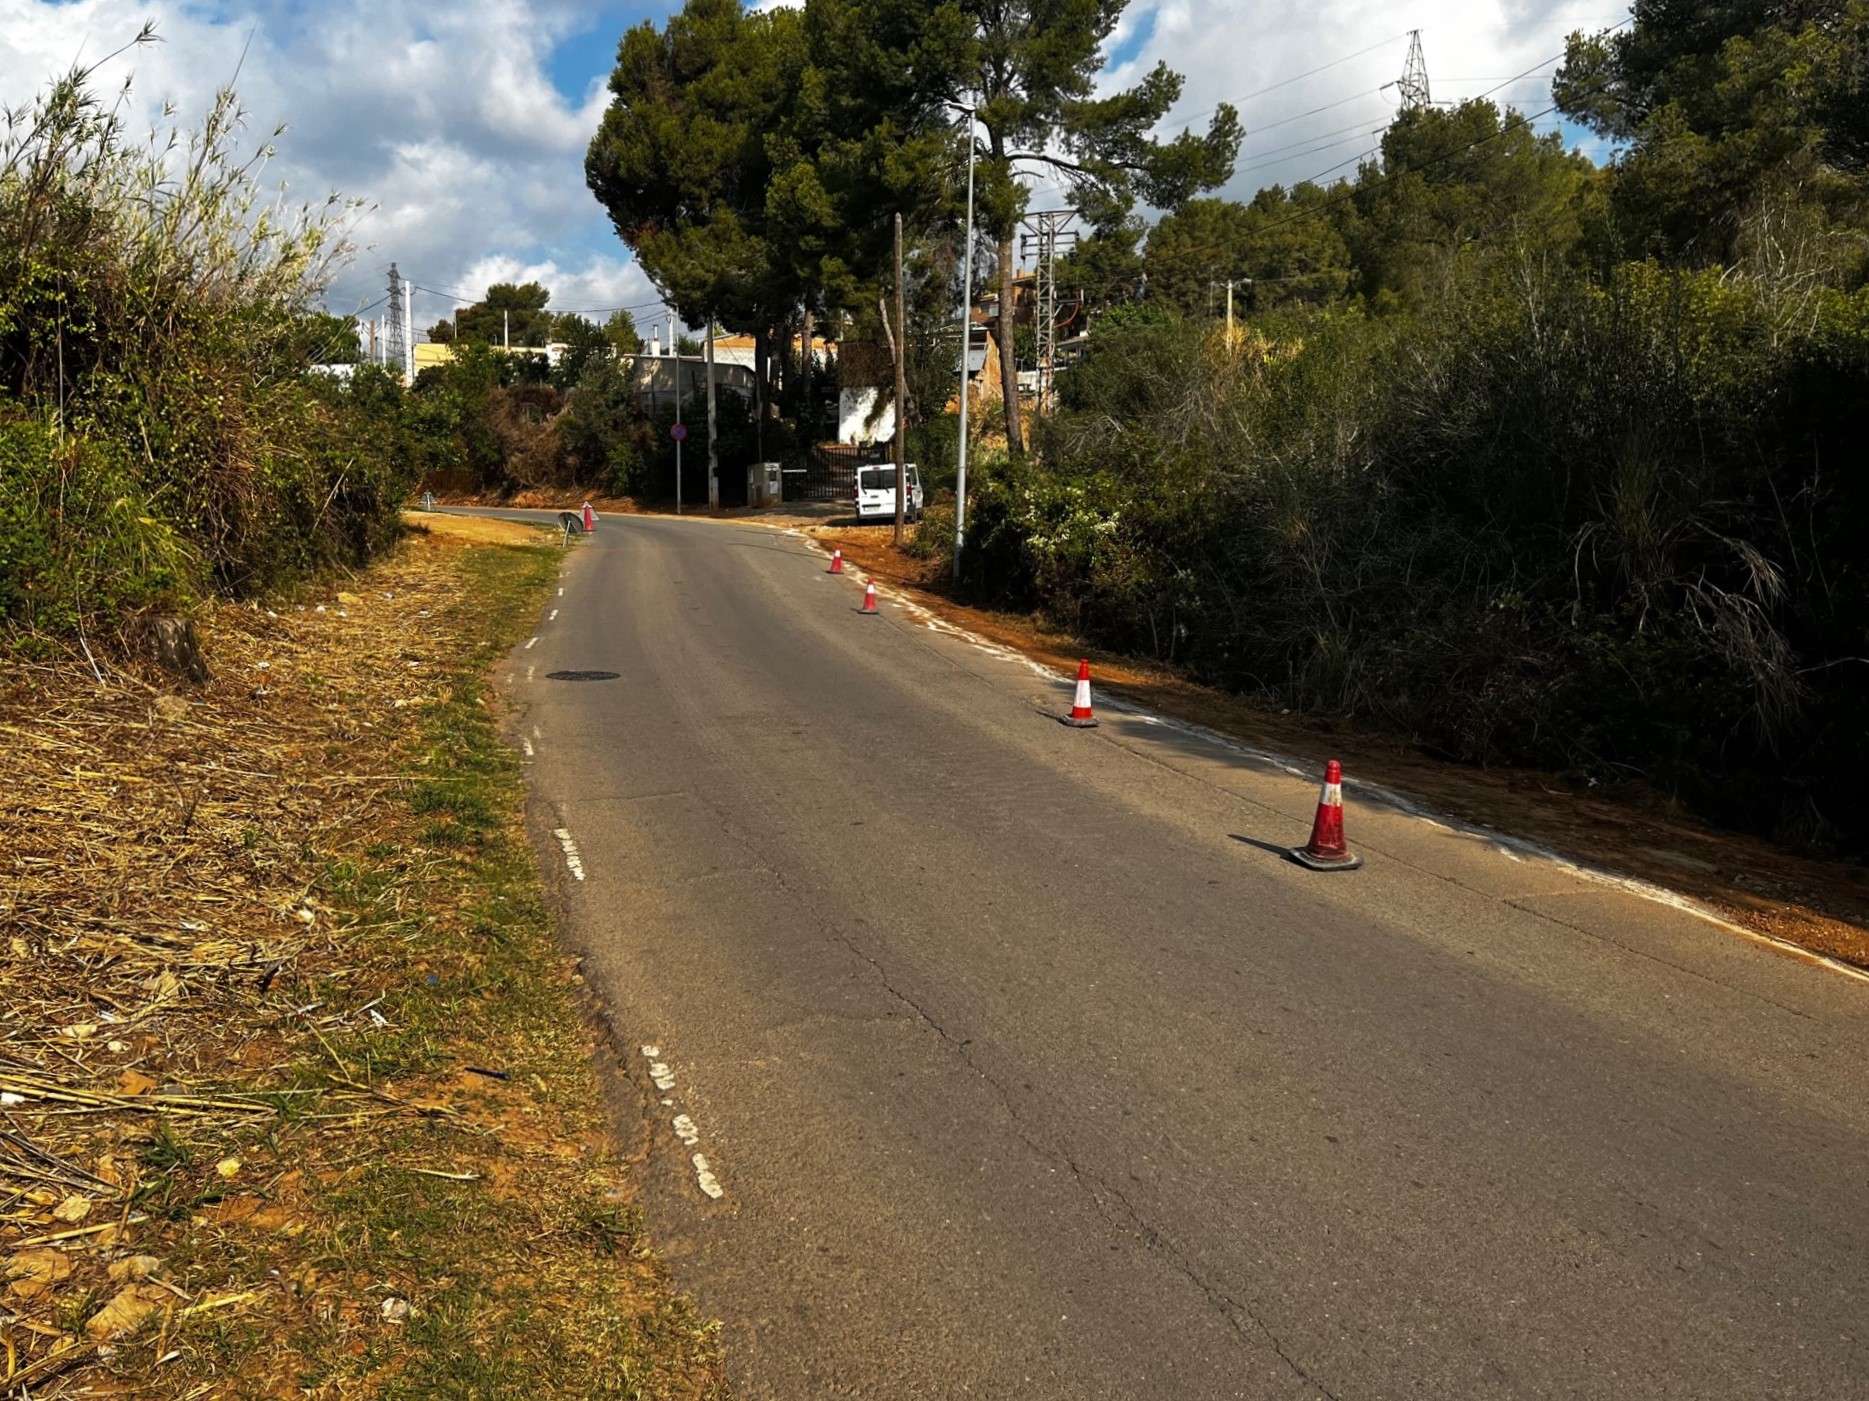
462, 124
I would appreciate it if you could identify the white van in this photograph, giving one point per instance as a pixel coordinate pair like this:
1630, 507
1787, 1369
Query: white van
876, 493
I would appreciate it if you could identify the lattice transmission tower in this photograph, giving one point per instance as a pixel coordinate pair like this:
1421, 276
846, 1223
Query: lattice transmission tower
396, 331
1412, 87
1051, 234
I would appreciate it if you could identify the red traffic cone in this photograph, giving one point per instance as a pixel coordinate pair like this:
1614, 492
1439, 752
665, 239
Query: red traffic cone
1082, 717
590, 518
1326, 850
869, 599
837, 562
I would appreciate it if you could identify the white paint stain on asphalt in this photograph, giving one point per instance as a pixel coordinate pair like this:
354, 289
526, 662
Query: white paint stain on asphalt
705, 1179
1513, 848
685, 1127
573, 862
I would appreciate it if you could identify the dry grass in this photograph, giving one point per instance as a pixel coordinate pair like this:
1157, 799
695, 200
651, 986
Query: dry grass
295, 1095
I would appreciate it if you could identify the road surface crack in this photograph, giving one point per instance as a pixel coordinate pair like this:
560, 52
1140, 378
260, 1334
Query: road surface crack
1098, 1191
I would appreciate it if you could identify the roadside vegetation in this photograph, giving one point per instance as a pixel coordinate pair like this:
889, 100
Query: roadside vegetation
160, 441
299, 1096
297, 1093
1528, 459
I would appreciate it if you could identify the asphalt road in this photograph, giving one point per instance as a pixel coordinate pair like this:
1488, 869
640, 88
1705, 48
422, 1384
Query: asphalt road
1027, 1067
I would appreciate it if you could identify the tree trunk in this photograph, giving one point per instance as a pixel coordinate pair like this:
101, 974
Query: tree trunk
808, 412
1008, 358
713, 458
901, 342
762, 368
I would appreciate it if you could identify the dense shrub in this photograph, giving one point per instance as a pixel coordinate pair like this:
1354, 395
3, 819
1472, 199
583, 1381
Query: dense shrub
1620, 527
76, 534
161, 434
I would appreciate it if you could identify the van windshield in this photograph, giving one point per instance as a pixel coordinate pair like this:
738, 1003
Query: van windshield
878, 479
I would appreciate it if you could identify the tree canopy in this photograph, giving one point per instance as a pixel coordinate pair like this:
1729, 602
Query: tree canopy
1745, 121
510, 313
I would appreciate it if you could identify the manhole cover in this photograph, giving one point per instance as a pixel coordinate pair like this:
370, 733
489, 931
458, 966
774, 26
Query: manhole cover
582, 675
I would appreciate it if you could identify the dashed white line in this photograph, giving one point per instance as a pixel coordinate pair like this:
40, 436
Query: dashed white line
573, 862
561, 593
686, 1130
526, 745
705, 1179
529, 672
554, 617
664, 1077
533, 643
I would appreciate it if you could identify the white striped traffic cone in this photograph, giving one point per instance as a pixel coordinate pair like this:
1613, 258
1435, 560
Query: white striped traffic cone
1327, 850
1082, 717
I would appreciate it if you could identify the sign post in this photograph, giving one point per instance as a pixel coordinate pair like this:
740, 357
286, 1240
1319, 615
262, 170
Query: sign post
680, 434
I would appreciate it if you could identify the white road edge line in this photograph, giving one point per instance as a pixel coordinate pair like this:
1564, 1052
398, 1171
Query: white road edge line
573, 862
705, 1179
1504, 844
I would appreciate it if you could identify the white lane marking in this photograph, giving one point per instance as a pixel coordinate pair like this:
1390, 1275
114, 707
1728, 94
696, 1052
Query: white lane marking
561, 593
686, 1131
1501, 842
573, 862
529, 671
705, 1179
664, 1077
554, 617
526, 744
533, 643
652, 1052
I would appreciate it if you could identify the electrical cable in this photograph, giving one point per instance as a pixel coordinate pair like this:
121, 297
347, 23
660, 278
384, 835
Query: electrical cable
1287, 82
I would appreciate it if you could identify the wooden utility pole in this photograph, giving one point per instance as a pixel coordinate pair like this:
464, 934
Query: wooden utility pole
902, 392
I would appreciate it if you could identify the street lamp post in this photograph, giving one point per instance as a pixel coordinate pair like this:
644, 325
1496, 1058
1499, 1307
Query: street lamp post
966, 348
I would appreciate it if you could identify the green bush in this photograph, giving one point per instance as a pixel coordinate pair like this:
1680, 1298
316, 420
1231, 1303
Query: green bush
77, 537
156, 332
1619, 527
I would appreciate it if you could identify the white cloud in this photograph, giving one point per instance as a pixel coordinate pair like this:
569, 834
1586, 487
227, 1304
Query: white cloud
443, 118
1233, 51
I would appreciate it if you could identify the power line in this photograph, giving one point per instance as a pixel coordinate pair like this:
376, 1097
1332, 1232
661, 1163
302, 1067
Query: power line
465, 299
1287, 121
1287, 82
1332, 201
1305, 141
1309, 150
